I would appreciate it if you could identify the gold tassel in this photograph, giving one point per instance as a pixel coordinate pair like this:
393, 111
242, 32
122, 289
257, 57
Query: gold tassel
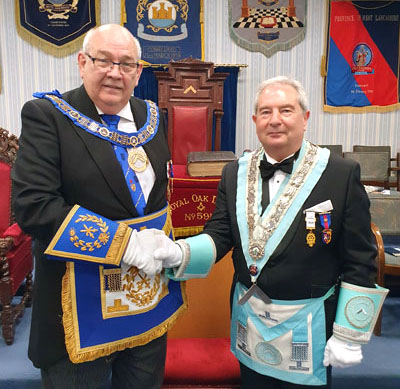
373, 108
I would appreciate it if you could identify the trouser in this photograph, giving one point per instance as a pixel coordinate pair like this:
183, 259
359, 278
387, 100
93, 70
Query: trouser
250, 379
134, 368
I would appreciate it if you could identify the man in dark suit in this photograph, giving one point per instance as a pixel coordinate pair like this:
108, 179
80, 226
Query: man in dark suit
298, 220
90, 176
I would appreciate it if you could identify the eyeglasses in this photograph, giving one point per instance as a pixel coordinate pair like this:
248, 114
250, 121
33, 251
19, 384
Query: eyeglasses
105, 65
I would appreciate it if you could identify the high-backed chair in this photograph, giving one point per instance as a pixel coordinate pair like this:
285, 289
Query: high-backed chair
16, 262
338, 149
198, 351
191, 95
392, 162
385, 216
373, 165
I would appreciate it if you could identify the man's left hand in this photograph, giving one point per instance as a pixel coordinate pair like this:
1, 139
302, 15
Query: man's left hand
340, 353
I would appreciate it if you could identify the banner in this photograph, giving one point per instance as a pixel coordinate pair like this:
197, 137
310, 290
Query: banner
361, 67
56, 26
166, 29
267, 25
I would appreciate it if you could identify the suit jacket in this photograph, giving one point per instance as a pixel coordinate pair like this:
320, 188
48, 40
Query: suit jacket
59, 165
296, 271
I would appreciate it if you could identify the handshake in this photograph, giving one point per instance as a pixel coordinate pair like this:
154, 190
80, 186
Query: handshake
150, 250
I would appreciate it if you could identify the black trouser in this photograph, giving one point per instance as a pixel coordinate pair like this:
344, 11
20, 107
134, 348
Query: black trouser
135, 368
252, 380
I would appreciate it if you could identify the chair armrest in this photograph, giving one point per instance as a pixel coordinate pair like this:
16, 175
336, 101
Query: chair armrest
6, 244
381, 253
15, 233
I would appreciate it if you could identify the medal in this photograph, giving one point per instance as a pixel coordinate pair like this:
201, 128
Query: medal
310, 238
137, 159
310, 226
325, 219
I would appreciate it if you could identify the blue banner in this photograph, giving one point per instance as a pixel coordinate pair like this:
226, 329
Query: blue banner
56, 26
166, 29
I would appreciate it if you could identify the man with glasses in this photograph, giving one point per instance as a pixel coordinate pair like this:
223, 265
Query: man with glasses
90, 186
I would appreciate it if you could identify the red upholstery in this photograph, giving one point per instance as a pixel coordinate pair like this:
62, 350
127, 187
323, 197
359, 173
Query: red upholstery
19, 259
198, 352
189, 132
192, 198
200, 361
5, 197
16, 262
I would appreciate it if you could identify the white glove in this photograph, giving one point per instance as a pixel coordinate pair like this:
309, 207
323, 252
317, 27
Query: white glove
170, 254
340, 353
140, 249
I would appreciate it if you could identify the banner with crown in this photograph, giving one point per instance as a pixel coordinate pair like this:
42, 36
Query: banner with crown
56, 26
166, 29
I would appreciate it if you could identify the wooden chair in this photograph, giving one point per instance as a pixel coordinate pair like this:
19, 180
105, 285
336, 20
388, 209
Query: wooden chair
338, 149
393, 163
16, 263
191, 95
385, 216
373, 165
198, 351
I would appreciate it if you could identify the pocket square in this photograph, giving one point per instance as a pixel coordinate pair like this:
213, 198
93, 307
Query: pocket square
323, 207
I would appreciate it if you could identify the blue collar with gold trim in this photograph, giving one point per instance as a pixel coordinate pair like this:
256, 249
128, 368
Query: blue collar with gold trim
120, 138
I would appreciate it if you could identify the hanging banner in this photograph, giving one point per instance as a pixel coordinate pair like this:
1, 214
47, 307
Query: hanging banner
361, 67
166, 29
56, 26
267, 26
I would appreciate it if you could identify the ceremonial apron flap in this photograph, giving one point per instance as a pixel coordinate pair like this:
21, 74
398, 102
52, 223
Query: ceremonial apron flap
107, 305
282, 339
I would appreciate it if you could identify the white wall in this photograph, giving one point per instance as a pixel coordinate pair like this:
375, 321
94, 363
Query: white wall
25, 69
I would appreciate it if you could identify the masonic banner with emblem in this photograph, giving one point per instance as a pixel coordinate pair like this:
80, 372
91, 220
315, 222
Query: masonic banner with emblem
267, 25
166, 29
56, 26
361, 67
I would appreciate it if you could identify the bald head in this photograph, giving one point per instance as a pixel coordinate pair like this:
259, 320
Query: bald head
109, 30
109, 66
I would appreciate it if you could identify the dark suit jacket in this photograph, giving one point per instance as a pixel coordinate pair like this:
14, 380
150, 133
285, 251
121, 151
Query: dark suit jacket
296, 271
59, 165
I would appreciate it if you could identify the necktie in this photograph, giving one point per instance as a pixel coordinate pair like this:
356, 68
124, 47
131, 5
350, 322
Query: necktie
130, 176
268, 169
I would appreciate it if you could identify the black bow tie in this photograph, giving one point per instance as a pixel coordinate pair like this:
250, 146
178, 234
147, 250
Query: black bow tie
268, 169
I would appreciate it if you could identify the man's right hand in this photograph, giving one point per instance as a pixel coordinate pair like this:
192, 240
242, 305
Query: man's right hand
140, 250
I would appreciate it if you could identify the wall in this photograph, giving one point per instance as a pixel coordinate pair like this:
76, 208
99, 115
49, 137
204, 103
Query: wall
25, 69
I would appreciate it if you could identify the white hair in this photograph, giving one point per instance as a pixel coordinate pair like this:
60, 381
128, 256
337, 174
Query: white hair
282, 80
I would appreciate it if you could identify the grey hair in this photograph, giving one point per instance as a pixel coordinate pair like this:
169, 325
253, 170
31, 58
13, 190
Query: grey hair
282, 80
86, 41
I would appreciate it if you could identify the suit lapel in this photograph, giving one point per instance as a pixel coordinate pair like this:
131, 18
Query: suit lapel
102, 152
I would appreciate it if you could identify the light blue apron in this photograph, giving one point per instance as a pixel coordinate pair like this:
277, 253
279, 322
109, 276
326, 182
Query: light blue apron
284, 339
